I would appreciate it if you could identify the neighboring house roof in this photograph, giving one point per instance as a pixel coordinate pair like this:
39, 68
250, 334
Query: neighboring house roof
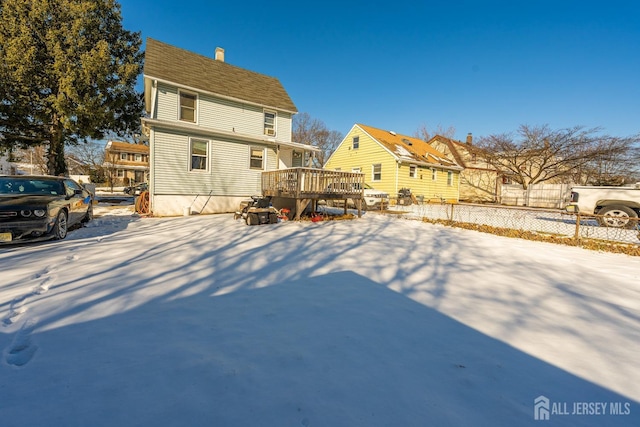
171, 64
455, 147
127, 147
408, 148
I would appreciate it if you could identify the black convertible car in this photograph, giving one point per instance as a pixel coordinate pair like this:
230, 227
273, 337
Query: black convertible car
41, 207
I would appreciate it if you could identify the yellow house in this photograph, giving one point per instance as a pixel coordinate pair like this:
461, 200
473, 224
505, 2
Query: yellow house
391, 162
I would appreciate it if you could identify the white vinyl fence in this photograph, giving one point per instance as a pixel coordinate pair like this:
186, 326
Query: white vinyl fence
554, 196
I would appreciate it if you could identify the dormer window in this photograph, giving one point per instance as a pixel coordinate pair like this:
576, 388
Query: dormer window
270, 123
188, 104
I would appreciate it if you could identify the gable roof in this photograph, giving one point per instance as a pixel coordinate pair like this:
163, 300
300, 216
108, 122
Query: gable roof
455, 147
179, 66
126, 147
408, 148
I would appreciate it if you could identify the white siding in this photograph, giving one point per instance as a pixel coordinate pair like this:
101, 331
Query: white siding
228, 178
228, 174
231, 116
284, 127
167, 103
222, 114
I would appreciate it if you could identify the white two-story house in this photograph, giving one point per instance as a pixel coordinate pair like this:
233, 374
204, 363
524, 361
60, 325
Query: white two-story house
213, 128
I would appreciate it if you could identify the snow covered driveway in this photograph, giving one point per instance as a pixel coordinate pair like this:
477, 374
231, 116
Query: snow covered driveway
204, 321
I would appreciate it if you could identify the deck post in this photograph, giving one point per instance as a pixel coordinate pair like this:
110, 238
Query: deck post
301, 205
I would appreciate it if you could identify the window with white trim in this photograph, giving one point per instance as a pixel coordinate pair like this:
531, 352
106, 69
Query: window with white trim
434, 175
123, 156
138, 157
256, 158
296, 159
188, 107
199, 155
412, 171
355, 142
121, 173
376, 172
270, 123
449, 178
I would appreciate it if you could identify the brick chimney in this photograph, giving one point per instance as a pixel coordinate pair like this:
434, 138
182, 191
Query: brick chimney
469, 139
220, 54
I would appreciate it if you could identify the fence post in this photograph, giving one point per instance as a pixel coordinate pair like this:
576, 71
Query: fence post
577, 234
451, 217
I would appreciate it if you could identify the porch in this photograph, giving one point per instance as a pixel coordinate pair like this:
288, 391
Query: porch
308, 185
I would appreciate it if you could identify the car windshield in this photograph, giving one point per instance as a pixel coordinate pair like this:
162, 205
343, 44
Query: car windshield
32, 186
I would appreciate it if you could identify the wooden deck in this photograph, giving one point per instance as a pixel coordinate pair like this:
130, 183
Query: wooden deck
307, 185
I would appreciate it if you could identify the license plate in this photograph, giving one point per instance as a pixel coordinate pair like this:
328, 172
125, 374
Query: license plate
5, 237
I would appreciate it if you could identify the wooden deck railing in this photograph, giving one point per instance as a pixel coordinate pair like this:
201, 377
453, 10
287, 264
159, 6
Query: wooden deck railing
312, 183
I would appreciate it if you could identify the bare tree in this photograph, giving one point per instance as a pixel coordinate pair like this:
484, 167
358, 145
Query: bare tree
425, 134
617, 163
92, 155
110, 167
32, 158
307, 130
537, 154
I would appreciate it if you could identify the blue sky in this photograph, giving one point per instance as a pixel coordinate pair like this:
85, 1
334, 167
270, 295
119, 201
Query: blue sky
483, 67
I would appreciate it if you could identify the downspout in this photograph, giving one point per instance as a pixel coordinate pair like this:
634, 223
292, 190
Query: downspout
152, 134
397, 175
152, 140
154, 96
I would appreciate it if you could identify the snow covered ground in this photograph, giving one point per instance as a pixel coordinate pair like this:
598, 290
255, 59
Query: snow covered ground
379, 321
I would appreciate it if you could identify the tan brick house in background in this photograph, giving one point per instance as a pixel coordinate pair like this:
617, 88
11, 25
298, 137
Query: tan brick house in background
126, 163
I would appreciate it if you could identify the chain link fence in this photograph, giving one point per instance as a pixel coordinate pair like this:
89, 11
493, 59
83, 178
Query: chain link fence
591, 231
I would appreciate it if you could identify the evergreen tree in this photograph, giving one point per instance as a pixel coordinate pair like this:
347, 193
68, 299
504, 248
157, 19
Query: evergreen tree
68, 71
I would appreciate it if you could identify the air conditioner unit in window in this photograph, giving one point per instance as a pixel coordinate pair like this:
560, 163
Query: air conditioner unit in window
270, 132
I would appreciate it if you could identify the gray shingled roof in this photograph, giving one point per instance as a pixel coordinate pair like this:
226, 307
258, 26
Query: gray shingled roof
172, 64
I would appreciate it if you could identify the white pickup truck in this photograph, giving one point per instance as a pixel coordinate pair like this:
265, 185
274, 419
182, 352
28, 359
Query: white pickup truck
615, 206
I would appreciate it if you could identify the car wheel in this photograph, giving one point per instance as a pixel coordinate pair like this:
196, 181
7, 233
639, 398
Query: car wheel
617, 216
60, 228
89, 215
